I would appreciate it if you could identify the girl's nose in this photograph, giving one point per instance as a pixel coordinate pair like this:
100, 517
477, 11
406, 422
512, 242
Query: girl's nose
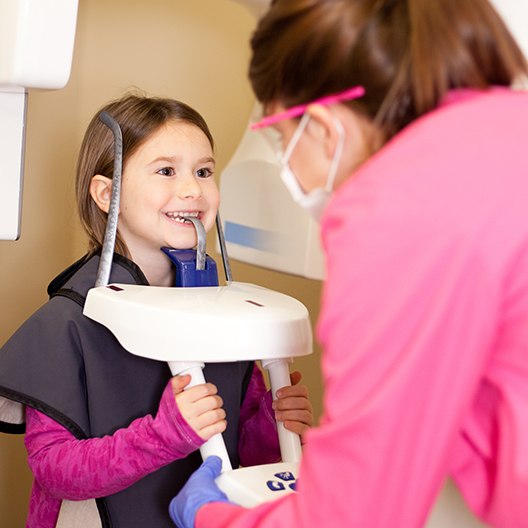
188, 187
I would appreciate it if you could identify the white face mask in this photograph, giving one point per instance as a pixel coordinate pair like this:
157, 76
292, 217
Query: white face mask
315, 201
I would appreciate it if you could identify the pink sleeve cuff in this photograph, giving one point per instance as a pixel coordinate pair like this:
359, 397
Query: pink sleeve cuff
170, 420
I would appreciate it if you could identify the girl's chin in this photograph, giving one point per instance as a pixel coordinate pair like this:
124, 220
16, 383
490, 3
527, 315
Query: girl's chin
179, 243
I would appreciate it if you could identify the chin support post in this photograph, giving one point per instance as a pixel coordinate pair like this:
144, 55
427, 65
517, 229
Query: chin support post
187, 274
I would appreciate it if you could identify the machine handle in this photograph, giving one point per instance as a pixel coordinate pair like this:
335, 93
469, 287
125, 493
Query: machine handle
215, 445
279, 375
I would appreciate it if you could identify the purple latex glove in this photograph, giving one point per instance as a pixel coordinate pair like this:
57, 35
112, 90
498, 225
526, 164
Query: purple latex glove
198, 490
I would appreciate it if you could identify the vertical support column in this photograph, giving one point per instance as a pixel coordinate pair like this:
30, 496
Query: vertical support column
12, 135
215, 445
279, 374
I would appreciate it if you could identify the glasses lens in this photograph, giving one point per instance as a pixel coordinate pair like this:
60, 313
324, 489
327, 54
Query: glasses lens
273, 139
271, 136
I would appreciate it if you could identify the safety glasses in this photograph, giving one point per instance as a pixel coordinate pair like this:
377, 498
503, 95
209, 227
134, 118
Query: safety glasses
273, 137
295, 111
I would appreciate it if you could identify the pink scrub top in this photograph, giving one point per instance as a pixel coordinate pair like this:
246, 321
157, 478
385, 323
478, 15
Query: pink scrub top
424, 327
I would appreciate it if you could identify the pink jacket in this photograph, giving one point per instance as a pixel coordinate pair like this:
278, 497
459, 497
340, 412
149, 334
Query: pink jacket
67, 468
424, 326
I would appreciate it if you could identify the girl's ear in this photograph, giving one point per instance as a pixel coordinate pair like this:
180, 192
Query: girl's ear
101, 191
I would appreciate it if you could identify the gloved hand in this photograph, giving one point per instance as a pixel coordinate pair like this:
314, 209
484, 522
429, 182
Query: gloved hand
199, 490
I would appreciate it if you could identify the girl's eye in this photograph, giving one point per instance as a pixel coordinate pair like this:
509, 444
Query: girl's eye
204, 172
166, 171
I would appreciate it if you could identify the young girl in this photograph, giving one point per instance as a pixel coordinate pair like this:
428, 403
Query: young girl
109, 434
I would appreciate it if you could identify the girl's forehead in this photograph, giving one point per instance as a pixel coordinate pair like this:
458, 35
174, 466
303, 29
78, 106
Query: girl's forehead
178, 130
174, 138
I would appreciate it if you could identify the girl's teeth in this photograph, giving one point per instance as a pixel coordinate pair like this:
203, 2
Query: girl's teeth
181, 217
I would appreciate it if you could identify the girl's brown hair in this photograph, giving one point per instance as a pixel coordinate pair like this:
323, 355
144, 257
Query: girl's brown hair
139, 117
406, 53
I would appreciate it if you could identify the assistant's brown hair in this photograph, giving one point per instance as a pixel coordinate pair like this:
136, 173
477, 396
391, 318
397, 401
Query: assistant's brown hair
139, 117
406, 53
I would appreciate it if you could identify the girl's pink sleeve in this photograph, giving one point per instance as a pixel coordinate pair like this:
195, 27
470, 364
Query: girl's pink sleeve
258, 441
68, 468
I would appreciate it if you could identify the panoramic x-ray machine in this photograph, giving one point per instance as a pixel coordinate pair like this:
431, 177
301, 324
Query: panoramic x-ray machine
242, 321
198, 322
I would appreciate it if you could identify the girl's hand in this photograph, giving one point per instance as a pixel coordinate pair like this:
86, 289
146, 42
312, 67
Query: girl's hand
200, 406
292, 406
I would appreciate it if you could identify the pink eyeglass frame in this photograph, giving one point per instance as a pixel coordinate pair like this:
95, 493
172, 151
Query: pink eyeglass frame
295, 111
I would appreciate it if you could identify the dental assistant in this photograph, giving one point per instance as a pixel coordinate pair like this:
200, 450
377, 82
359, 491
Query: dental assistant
400, 131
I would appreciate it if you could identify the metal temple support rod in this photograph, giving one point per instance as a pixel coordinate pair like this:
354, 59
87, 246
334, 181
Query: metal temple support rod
107, 251
223, 249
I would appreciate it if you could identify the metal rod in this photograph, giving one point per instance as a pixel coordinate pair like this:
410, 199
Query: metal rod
107, 251
200, 248
223, 248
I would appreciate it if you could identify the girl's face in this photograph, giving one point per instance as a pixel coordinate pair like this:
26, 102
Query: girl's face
168, 178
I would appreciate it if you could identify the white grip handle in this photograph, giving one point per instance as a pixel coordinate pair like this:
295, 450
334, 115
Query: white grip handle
215, 445
290, 442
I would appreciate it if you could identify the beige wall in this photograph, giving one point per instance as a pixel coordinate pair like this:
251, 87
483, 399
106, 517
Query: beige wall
196, 51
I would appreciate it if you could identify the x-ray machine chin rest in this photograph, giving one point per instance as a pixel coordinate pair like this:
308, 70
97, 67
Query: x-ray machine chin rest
36, 49
190, 326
